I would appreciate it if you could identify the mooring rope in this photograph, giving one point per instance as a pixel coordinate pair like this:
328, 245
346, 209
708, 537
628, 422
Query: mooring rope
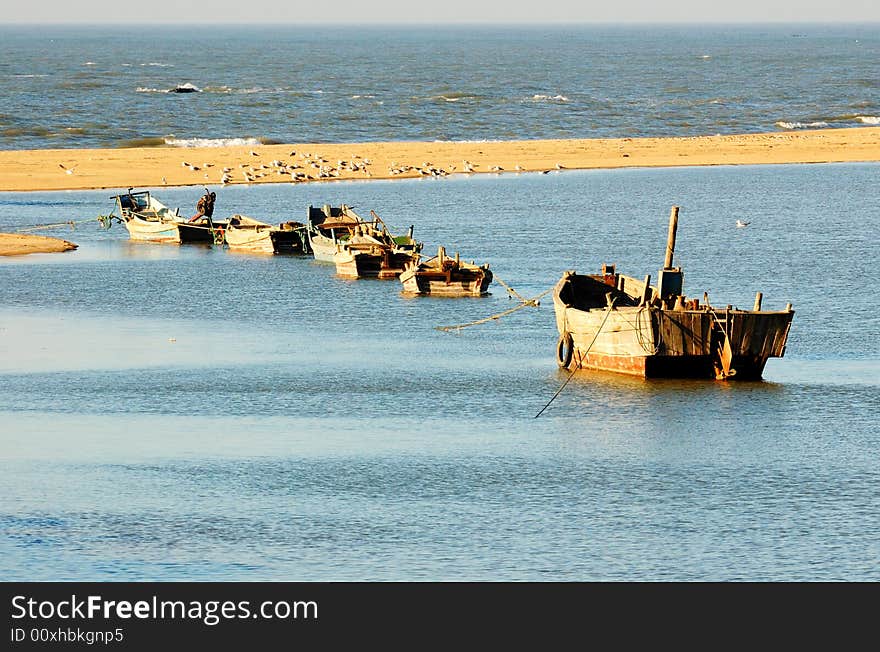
580, 359
71, 223
511, 291
524, 303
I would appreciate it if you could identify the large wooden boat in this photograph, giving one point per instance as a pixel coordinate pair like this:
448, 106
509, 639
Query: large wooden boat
613, 322
445, 276
149, 220
359, 248
249, 235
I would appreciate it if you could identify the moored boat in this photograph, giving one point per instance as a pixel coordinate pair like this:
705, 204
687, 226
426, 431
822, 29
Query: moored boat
445, 276
613, 322
329, 227
246, 234
149, 220
357, 247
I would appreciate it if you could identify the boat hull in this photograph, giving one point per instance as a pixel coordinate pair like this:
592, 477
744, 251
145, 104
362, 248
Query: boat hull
324, 249
654, 342
264, 241
464, 283
362, 264
167, 232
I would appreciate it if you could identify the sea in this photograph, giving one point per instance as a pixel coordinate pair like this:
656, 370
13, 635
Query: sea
112, 86
187, 413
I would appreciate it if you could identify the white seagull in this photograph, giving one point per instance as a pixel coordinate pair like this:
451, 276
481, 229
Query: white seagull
67, 170
740, 224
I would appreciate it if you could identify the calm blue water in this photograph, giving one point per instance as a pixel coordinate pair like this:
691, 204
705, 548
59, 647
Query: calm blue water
303, 427
88, 87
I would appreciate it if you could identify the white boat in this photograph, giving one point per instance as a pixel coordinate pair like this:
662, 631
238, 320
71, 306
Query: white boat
329, 227
149, 220
249, 235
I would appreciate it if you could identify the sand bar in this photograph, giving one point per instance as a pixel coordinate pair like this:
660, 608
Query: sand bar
70, 169
18, 244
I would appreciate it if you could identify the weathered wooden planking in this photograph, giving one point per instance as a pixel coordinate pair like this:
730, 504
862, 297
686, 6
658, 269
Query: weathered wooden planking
684, 332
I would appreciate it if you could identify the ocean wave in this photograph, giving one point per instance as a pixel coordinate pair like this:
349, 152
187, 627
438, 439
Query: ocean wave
156, 64
869, 119
142, 142
454, 97
211, 142
801, 125
26, 76
548, 98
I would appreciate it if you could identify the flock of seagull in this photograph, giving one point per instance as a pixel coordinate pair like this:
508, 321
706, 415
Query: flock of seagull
310, 167
313, 167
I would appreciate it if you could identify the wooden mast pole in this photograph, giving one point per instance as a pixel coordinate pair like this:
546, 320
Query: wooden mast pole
670, 240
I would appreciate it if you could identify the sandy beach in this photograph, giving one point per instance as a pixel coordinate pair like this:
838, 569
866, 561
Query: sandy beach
151, 167
71, 169
18, 244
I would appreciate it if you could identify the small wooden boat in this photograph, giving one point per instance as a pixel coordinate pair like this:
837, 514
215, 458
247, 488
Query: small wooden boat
359, 248
149, 220
249, 235
369, 256
329, 227
613, 322
447, 277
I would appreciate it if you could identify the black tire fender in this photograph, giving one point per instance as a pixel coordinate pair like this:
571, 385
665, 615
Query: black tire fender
564, 350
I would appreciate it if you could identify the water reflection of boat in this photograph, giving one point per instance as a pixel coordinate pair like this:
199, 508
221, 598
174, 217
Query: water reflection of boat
445, 276
149, 220
617, 323
247, 234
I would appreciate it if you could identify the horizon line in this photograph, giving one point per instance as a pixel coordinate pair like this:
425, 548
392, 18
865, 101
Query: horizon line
418, 23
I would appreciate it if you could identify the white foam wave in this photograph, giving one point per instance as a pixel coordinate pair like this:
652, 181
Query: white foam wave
90, 63
869, 119
801, 125
144, 89
210, 142
359, 97
549, 98
27, 76
156, 64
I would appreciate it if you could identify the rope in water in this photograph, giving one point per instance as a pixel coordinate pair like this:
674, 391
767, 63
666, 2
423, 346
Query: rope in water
580, 359
524, 303
71, 223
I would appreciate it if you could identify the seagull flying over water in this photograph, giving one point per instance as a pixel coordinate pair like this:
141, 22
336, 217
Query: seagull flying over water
740, 224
